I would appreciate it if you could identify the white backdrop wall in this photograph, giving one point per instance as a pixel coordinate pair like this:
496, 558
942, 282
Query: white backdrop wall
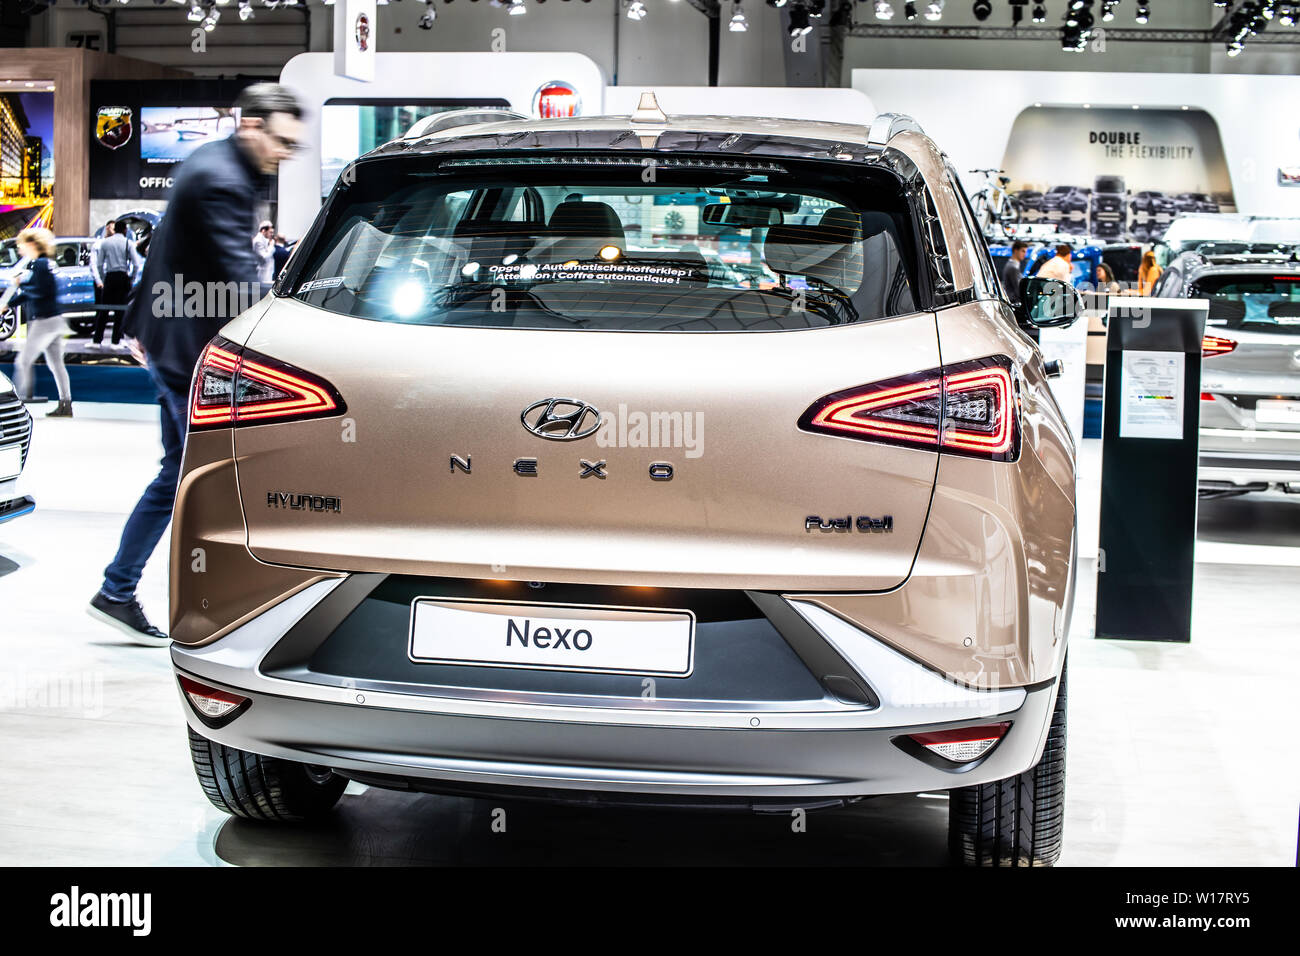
970, 114
514, 77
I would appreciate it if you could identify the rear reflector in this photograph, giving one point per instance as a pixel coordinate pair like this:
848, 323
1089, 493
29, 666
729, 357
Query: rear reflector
964, 745
1213, 345
209, 702
1207, 397
234, 386
976, 402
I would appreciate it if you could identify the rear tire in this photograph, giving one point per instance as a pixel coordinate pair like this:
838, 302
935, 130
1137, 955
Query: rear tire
269, 789
1018, 821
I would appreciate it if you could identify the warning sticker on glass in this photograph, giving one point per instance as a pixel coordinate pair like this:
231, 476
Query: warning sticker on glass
1151, 395
652, 273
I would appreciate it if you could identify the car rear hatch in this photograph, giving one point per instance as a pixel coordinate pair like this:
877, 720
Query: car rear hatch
1251, 364
698, 475
594, 368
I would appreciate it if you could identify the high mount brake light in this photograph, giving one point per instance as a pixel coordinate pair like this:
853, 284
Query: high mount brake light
1213, 345
235, 386
974, 402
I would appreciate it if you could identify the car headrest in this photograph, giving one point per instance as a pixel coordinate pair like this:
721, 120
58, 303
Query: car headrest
830, 251
491, 240
580, 228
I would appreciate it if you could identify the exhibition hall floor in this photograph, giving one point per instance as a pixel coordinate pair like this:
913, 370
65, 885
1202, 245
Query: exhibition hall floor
1173, 749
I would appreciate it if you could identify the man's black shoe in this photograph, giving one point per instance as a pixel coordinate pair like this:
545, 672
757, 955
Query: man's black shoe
128, 618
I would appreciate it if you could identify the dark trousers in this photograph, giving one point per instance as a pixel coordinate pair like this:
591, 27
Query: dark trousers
117, 286
154, 510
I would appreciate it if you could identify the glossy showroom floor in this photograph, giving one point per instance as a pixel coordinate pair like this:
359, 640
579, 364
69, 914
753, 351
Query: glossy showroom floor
1177, 754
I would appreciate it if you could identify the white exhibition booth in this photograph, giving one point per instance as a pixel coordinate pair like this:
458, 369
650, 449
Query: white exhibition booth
970, 113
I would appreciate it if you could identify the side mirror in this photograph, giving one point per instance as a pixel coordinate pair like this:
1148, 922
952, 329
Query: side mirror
1048, 303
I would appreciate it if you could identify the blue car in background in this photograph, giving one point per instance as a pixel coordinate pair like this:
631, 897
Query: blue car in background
1083, 261
72, 278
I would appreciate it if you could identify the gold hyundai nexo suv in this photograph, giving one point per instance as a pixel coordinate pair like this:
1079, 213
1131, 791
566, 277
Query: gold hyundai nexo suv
665, 460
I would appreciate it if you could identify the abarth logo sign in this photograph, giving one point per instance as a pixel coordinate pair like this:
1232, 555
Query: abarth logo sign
561, 419
113, 126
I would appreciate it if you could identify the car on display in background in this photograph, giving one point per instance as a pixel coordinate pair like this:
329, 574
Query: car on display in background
1064, 200
1030, 203
537, 594
1108, 207
72, 277
1124, 259
1195, 202
1190, 230
1250, 364
1154, 204
15, 442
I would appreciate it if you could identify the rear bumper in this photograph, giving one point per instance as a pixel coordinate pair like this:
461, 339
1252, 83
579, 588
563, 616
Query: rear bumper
812, 750
1249, 456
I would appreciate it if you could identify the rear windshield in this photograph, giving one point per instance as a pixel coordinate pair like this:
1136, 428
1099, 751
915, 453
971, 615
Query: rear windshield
558, 244
1269, 303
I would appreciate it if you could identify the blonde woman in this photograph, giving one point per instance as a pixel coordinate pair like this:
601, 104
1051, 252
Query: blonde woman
1148, 273
45, 324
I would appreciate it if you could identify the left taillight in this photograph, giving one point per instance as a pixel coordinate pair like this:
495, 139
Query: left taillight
1216, 345
235, 386
966, 409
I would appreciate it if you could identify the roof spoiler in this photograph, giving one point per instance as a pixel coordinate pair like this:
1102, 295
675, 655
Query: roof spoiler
887, 125
469, 116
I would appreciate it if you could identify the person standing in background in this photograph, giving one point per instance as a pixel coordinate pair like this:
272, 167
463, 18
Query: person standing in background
1057, 267
1012, 271
45, 325
281, 253
1106, 280
1148, 273
264, 249
203, 239
114, 263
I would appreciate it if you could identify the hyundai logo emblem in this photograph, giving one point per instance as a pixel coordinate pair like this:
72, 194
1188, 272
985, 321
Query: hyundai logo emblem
561, 419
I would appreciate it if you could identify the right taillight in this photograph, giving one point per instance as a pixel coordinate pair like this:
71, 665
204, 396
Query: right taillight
214, 707
1214, 345
234, 386
965, 409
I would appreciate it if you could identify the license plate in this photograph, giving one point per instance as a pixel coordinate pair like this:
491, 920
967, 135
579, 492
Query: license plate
1276, 412
609, 640
11, 461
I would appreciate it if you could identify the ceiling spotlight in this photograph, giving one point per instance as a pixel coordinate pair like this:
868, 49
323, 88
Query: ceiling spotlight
1040, 13
210, 23
195, 14
636, 10
884, 10
1017, 12
799, 24
517, 8
1235, 48
934, 10
738, 22
1143, 13
426, 19
982, 9
245, 10
1286, 17
909, 10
